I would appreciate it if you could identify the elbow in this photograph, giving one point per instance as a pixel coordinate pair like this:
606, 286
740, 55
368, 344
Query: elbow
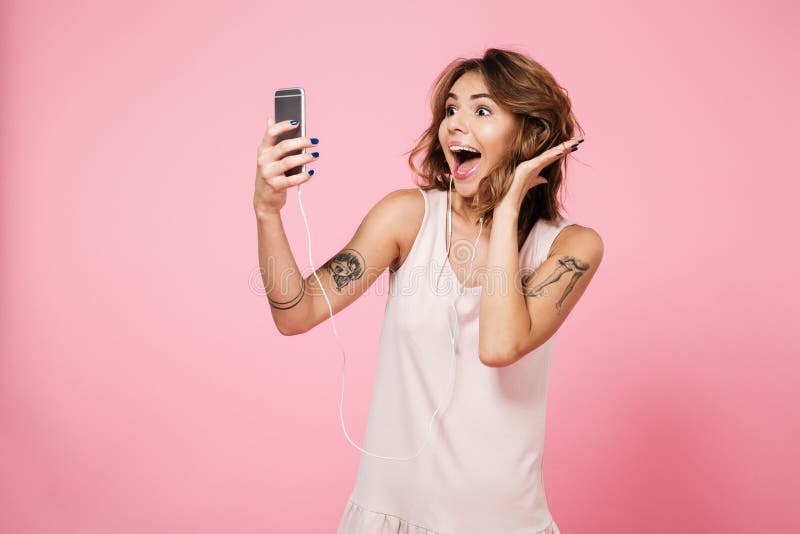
497, 359
497, 355
499, 348
289, 330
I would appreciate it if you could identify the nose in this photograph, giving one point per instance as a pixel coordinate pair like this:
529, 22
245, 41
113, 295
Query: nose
456, 123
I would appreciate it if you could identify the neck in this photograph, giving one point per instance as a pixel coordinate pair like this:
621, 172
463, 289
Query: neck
463, 207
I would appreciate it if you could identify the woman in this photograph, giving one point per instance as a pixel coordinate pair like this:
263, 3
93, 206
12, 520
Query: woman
490, 175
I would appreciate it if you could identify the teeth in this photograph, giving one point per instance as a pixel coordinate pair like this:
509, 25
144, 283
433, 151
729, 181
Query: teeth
460, 148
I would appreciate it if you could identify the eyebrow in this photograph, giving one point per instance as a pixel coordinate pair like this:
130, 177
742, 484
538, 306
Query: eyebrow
473, 97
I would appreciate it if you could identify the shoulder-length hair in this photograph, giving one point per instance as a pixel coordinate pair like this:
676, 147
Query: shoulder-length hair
543, 113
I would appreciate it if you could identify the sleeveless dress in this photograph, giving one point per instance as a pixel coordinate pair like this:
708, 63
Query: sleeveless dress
481, 471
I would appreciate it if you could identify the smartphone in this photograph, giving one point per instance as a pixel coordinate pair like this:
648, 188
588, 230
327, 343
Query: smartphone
290, 103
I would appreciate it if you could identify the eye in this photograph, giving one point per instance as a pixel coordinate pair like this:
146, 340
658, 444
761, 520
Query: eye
447, 110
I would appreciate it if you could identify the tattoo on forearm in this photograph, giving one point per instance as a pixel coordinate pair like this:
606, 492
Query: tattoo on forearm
569, 264
291, 303
346, 266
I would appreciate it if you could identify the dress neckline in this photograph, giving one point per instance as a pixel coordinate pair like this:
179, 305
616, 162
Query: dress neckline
462, 289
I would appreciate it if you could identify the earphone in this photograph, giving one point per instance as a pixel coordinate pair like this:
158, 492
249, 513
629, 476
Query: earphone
453, 334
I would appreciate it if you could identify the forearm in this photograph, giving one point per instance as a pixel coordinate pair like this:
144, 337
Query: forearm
504, 319
288, 296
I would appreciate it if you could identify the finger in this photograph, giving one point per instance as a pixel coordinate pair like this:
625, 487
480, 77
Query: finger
299, 178
550, 155
270, 124
282, 165
295, 143
284, 182
571, 144
275, 129
566, 146
290, 162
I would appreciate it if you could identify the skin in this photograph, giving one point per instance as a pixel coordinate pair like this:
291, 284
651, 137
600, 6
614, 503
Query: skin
483, 124
565, 265
384, 237
480, 123
507, 329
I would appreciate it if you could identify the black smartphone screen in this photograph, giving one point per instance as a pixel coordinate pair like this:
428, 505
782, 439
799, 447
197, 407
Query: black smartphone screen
290, 103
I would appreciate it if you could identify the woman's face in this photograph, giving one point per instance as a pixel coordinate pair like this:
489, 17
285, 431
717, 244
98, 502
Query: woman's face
477, 122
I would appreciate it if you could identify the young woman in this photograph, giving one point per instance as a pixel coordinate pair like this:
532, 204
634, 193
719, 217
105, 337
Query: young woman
478, 248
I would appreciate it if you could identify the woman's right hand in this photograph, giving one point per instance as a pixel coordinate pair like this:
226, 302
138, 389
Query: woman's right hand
271, 180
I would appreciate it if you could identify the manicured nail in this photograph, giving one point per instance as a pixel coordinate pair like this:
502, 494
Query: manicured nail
315, 154
314, 140
581, 141
574, 148
311, 172
293, 122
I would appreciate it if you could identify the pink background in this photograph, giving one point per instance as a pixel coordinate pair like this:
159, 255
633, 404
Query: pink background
143, 385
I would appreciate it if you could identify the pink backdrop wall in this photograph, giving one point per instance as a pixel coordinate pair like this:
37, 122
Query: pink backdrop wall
143, 386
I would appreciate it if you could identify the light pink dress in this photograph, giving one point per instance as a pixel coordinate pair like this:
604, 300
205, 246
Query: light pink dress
481, 472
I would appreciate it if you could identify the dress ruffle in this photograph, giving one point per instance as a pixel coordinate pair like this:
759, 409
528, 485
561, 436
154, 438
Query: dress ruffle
358, 520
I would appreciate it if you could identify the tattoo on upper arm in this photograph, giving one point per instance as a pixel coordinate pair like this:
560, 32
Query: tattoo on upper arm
291, 303
568, 264
346, 266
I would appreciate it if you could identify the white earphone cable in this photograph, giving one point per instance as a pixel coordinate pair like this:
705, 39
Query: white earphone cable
460, 292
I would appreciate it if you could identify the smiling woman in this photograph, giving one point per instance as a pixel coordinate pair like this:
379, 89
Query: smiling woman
454, 441
492, 156
509, 108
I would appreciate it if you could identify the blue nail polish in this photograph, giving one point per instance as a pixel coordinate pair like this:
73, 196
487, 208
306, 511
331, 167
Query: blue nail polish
311, 172
293, 122
314, 140
315, 154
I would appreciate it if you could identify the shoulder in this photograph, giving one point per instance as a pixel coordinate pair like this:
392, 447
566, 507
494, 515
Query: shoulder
401, 206
408, 198
578, 239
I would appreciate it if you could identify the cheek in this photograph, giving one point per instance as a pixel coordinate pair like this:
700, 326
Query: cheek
442, 132
443, 138
498, 144
493, 151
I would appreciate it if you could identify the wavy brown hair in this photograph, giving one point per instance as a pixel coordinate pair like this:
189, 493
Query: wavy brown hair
544, 117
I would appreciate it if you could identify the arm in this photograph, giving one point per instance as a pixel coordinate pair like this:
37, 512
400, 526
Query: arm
297, 303
513, 323
283, 284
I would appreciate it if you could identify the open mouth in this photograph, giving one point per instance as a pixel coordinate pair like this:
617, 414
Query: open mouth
465, 162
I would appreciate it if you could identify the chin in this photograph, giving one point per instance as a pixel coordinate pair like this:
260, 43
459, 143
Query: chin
467, 188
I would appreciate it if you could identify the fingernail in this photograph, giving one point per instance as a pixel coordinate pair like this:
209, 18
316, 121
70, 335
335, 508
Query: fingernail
314, 140
294, 122
574, 148
311, 172
581, 141
315, 154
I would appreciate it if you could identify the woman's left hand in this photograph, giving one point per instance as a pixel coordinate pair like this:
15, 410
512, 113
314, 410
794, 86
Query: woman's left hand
526, 175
